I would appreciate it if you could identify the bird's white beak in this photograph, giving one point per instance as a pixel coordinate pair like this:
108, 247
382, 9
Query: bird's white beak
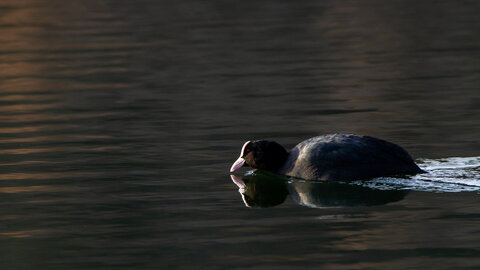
237, 164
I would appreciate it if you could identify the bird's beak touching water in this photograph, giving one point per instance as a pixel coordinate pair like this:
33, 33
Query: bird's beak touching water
240, 161
237, 164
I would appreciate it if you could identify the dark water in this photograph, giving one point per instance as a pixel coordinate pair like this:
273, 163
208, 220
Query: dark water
119, 121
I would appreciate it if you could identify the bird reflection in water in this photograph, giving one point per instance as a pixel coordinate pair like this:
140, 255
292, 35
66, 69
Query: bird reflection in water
263, 189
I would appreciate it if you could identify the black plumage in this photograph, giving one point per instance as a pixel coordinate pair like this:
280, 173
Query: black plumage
331, 157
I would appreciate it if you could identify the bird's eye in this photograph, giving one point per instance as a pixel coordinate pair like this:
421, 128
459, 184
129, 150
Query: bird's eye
245, 149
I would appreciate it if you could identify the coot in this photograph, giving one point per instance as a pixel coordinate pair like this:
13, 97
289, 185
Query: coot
329, 157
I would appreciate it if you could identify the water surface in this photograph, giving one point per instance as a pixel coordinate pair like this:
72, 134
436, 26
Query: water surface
119, 121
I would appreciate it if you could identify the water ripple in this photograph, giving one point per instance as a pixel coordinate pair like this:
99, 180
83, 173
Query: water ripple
455, 174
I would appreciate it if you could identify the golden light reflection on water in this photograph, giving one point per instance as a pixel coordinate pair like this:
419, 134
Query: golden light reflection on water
56, 138
24, 151
30, 85
15, 70
23, 234
33, 97
39, 83
36, 128
36, 176
31, 117
19, 69
58, 149
29, 107
21, 85
26, 162
49, 188
23, 105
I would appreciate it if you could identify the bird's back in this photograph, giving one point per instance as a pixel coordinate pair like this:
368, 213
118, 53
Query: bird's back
347, 157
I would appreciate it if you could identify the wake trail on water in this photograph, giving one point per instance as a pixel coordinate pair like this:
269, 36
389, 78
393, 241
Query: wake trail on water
454, 174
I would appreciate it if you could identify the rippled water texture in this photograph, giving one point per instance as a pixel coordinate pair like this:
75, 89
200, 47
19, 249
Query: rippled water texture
119, 121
